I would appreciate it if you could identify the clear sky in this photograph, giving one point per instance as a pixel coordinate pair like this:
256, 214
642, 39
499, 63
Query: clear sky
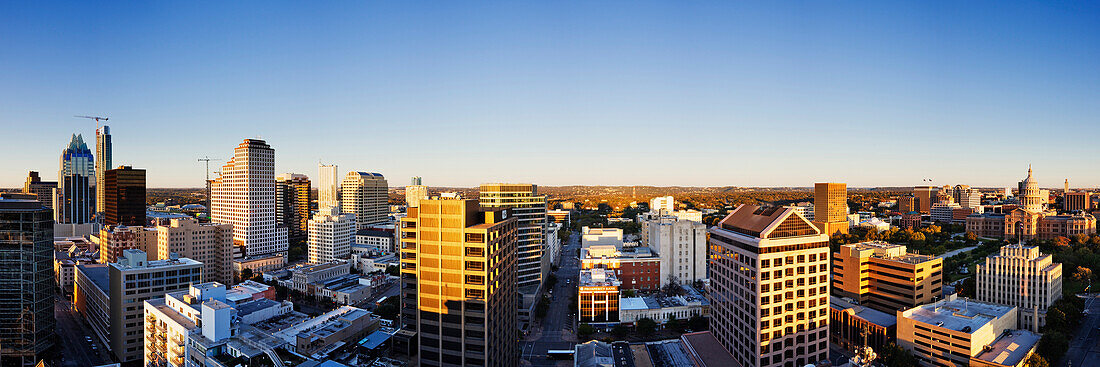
879, 93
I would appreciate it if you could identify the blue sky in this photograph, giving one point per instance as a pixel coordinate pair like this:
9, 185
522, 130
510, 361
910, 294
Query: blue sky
612, 93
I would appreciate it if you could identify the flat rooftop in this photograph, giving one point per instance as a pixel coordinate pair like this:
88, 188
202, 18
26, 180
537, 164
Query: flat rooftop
963, 315
99, 276
1010, 348
707, 351
871, 315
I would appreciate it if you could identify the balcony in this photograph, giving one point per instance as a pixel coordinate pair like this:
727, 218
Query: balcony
177, 340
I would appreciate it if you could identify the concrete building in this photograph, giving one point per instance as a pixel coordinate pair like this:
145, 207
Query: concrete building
27, 324
74, 196
208, 243
663, 309
330, 235
559, 216
1023, 277
831, 207
553, 243
415, 192
925, 196
113, 241
780, 263
365, 194
852, 325
42, 190
530, 210
112, 304
103, 158
954, 331
601, 236
598, 296
966, 197
458, 274
885, 277
682, 247
381, 242
293, 197
123, 196
328, 189
805, 208
243, 195
666, 204
258, 264
304, 276
944, 212
1077, 201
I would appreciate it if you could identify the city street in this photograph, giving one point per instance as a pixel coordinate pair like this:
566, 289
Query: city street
77, 343
1084, 347
556, 330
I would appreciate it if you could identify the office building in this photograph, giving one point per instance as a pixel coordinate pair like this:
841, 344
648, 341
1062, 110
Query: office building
805, 208
907, 204
415, 192
74, 177
330, 235
529, 207
961, 332
924, 197
660, 204
681, 245
458, 276
944, 212
769, 287
292, 201
379, 242
966, 197
328, 189
910, 220
365, 194
243, 195
27, 324
1023, 277
559, 216
598, 296
208, 243
831, 207
42, 190
1075, 201
102, 165
115, 240
123, 196
109, 297
885, 277
852, 325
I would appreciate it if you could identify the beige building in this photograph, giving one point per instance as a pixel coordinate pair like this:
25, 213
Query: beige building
680, 244
365, 194
1023, 277
112, 241
959, 332
458, 272
244, 195
331, 235
924, 197
1074, 201
208, 243
885, 277
781, 261
415, 192
831, 207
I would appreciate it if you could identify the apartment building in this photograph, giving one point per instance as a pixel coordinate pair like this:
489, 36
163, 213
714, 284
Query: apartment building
885, 277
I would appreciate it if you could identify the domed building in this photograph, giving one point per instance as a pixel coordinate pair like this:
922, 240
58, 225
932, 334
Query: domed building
1031, 219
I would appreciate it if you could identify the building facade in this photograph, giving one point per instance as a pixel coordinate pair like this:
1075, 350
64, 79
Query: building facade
666, 204
681, 246
103, 154
123, 195
381, 242
598, 296
1023, 277
243, 195
328, 189
415, 192
330, 235
365, 194
458, 276
27, 324
769, 287
831, 207
954, 331
42, 190
208, 243
924, 197
113, 241
292, 203
74, 197
852, 325
885, 277
1077, 201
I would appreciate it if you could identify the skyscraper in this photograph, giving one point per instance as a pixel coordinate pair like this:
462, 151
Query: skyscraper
102, 164
770, 287
458, 283
27, 321
925, 196
831, 207
43, 190
529, 208
74, 194
123, 196
328, 189
243, 195
330, 235
415, 192
292, 200
365, 194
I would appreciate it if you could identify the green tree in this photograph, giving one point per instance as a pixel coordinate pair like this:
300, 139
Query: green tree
895, 356
620, 331
698, 323
1036, 361
628, 293
646, 326
584, 330
246, 274
1052, 345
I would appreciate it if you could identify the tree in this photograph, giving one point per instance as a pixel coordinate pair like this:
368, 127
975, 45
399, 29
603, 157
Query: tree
895, 356
646, 326
393, 270
971, 237
1061, 243
698, 323
584, 330
620, 331
1036, 361
628, 293
246, 274
1052, 345
542, 307
675, 324
1082, 274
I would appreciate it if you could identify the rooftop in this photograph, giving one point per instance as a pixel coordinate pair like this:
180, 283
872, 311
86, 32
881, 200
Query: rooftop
963, 315
871, 315
1010, 348
98, 274
373, 233
707, 350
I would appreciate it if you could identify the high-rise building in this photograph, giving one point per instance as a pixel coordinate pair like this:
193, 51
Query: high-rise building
831, 207
74, 194
415, 192
328, 189
43, 190
292, 201
330, 235
208, 243
1021, 276
123, 196
27, 325
666, 204
925, 196
680, 244
769, 287
530, 210
109, 297
113, 241
244, 195
458, 275
365, 194
1077, 201
102, 164
907, 204
885, 277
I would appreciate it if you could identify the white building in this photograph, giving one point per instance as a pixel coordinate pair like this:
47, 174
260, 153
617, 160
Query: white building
244, 195
365, 194
805, 208
330, 235
415, 192
328, 190
553, 242
601, 236
944, 212
372, 240
690, 214
665, 204
966, 196
1021, 276
663, 309
681, 245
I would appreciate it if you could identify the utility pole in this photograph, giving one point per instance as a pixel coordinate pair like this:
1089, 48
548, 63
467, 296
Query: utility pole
207, 159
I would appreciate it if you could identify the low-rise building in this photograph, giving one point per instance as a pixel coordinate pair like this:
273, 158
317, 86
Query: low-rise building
952, 332
663, 309
598, 296
944, 212
885, 276
636, 268
371, 240
852, 325
258, 264
304, 276
315, 337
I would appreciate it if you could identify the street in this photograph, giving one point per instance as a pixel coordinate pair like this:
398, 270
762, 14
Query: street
556, 330
78, 345
1084, 347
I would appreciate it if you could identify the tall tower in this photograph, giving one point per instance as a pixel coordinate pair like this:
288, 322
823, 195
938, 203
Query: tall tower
1030, 198
458, 275
74, 176
328, 189
770, 287
831, 207
530, 210
415, 192
27, 324
365, 194
102, 164
243, 195
123, 192
292, 199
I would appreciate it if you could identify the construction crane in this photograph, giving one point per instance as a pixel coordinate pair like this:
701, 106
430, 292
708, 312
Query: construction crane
207, 159
96, 118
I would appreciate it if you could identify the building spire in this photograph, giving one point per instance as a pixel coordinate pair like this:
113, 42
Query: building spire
1029, 170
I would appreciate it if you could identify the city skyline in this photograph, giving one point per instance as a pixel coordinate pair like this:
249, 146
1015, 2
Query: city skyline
589, 86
